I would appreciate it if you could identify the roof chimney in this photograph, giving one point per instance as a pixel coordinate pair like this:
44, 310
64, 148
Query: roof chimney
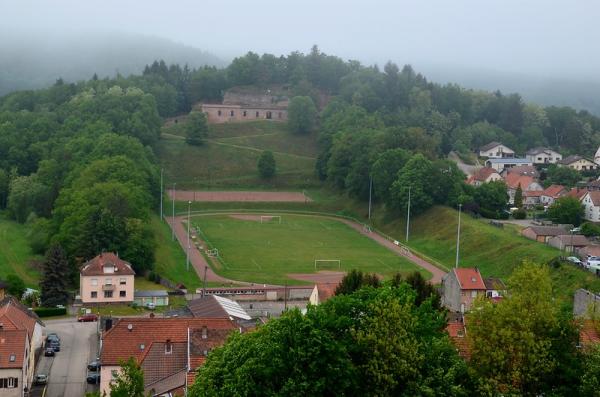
130, 327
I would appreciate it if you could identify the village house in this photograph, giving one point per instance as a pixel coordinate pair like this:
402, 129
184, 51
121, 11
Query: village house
589, 250
542, 234
15, 359
528, 184
593, 185
552, 193
3, 287
531, 198
457, 331
542, 155
321, 292
169, 350
484, 175
523, 170
591, 204
577, 163
496, 150
568, 242
215, 306
502, 164
106, 279
577, 192
240, 105
460, 288
20, 325
155, 298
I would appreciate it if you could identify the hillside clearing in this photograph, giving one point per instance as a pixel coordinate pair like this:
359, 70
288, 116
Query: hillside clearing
15, 253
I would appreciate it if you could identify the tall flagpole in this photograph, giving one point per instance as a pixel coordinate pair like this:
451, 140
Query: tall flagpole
408, 214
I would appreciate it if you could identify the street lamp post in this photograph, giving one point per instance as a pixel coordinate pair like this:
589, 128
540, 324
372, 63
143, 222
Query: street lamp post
161, 194
370, 190
458, 236
173, 217
408, 214
187, 258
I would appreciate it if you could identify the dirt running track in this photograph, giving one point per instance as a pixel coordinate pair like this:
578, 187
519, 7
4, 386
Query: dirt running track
199, 262
287, 197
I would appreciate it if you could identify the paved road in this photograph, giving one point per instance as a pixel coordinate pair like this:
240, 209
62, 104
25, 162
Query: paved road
464, 167
199, 263
68, 369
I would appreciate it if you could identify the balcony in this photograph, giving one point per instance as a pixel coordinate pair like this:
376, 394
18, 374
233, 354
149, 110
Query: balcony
108, 287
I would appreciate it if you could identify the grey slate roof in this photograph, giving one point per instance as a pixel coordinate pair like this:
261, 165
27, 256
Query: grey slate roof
150, 293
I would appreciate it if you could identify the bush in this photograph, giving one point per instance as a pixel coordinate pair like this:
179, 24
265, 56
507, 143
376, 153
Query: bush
266, 164
519, 214
590, 229
50, 311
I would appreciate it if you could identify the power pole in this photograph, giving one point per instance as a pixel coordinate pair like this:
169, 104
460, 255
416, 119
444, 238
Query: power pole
204, 284
408, 214
370, 189
187, 251
161, 194
173, 217
458, 236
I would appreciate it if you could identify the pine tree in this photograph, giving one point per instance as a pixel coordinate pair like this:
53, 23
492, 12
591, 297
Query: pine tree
55, 278
519, 197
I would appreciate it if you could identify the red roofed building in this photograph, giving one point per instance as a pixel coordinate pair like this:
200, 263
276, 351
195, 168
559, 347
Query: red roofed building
169, 350
552, 193
106, 279
527, 183
457, 331
578, 193
591, 204
15, 363
484, 175
460, 287
588, 334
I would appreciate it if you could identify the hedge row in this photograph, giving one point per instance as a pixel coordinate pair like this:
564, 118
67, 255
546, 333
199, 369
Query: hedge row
50, 311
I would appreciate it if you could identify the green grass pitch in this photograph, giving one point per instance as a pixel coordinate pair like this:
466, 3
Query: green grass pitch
267, 252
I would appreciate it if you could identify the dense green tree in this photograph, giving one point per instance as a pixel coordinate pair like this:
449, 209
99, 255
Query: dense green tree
355, 280
302, 115
55, 277
491, 198
196, 128
130, 380
4, 188
385, 171
590, 377
27, 195
562, 176
518, 200
566, 210
590, 229
16, 286
416, 177
266, 165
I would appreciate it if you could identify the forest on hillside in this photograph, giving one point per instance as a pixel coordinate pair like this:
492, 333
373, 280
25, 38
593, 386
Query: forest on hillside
77, 159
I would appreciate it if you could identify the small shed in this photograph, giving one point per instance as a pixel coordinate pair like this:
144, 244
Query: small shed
157, 297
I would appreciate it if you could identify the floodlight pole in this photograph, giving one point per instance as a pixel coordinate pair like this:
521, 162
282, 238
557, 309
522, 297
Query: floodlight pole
458, 236
161, 194
173, 217
370, 190
408, 214
187, 252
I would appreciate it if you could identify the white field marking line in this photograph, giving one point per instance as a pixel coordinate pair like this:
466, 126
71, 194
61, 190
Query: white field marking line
259, 266
385, 264
325, 226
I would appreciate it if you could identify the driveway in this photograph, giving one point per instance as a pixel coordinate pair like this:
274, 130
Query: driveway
68, 368
464, 167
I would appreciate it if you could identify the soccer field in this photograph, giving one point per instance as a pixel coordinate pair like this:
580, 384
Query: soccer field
267, 252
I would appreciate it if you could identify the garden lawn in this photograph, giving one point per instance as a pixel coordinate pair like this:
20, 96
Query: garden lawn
268, 252
15, 253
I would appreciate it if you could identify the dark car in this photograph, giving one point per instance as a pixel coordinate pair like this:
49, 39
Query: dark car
40, 379
49, 352
93, 378
94, 366
54, 346
52, 337
87, 318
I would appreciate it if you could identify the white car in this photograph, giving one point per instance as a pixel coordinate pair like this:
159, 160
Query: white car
150, 306
575, 260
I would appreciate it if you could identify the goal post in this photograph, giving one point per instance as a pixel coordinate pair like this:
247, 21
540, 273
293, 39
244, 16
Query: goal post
270, 219
336, 263
212, 253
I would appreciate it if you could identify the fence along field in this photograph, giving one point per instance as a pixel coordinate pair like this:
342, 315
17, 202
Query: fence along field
252, 248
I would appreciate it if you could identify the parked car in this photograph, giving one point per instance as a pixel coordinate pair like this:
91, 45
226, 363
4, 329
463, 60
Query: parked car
87, 318
40, 379
93, 378
94, 366
49, 352
150, 306
52, 337
55, 346
575, 260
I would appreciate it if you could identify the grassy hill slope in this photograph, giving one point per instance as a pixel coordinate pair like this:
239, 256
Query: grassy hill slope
15, 253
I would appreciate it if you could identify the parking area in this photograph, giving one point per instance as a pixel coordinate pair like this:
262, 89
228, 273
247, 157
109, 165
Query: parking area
67, 370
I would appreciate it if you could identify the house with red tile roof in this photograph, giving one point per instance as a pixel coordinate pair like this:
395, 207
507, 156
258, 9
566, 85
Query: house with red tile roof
321, 292
15, 316
484, 175
457, 331
552, 193
15, 363
169, 350
591, 204
527, 183
460, 287
577, 192
106, 279
523, 170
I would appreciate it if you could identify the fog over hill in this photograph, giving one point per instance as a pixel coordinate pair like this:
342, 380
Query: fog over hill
29, 61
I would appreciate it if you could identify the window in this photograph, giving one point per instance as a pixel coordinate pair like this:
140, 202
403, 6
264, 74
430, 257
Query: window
219, 113
257, 114
94, 294
168, 347
473, 294
231, 113
108, 294
122, 281
245, 113
94, 282
114, 373
108, 281
122, 294
279, 115
204, 332
12, 358
9, 383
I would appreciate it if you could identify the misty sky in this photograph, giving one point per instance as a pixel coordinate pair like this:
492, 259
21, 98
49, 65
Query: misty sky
538, 37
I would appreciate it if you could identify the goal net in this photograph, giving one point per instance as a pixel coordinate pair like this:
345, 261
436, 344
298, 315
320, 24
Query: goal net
213, 253
270, 219
328, 264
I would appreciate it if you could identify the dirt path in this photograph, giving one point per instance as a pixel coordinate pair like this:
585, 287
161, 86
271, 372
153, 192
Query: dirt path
221, 196
199, 263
